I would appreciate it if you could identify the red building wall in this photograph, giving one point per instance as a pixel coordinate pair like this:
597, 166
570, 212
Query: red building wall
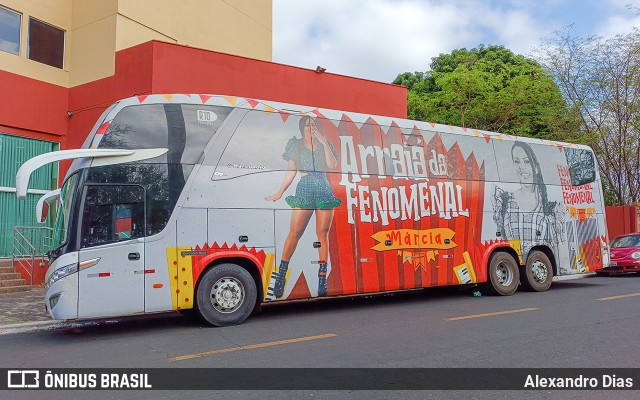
32, 108
180, 70
40, 110
621, 220
157, 67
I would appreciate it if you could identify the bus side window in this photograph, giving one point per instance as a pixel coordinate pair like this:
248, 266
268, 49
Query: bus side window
582, 166
112, 213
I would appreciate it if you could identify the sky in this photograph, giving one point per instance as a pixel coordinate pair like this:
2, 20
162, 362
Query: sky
379, 39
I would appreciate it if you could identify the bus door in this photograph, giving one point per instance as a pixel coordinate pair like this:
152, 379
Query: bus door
111, 258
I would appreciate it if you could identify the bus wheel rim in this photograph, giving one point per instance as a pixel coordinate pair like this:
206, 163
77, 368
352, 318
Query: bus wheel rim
504, 274
539, 271
227, 295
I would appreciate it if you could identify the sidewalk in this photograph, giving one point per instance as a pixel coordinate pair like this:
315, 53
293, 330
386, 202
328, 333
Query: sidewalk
24, 311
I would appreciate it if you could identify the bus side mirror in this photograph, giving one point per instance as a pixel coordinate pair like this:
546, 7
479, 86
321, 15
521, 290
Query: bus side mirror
42, 207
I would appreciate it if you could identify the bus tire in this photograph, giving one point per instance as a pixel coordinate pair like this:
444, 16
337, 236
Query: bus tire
538, 273
226, 295
504, 275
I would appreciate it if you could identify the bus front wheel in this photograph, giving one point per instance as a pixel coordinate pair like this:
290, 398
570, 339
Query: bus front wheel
538, 273
504, 275
226, 295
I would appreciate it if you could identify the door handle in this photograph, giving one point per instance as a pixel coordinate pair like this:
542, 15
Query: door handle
134, 256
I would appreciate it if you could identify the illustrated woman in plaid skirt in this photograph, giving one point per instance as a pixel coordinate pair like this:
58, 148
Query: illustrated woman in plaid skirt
527, 214
313, 195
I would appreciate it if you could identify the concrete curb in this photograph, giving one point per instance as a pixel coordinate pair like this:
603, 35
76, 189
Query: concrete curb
31, 327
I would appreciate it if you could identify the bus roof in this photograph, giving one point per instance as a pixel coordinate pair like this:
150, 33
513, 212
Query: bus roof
285, 110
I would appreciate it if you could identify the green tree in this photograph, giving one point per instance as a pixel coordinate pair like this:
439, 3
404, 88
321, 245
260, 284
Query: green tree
600, 78
490, 88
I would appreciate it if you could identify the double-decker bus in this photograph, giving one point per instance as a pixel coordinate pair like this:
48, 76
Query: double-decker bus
220, 204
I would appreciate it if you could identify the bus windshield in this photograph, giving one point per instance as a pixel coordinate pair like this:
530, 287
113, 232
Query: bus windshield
60, 228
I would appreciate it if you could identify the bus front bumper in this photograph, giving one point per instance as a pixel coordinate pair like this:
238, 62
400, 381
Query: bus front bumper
61, 299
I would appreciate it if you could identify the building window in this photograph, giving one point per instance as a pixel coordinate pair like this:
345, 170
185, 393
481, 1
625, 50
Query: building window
10, 31
46, 43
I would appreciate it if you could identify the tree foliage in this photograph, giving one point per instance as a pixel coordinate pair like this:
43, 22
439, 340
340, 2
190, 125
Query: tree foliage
600, 79
490, 88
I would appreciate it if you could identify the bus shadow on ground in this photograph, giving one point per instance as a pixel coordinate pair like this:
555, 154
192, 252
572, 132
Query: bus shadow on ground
189, 319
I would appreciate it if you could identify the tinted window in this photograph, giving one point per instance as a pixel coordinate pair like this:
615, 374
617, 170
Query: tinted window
185, 129
420, 153
10, 31
405, 152
524, 161
67, 194
112, 213
582, 166
46, 43
359, 149
625, 241
259, 144
163, 184
137, 127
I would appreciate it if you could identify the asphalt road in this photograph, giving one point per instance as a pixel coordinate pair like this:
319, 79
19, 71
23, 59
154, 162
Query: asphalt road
591, 322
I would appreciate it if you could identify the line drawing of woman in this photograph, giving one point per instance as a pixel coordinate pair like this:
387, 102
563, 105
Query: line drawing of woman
313, 195
526, 214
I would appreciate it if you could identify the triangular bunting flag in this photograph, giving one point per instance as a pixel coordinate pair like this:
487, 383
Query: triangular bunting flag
284, 115
486, 137
582, 214
231, 100
253, 103
268, 108
167, 97
433, 124
318, 113
573, 212
559, 147
142, 98
204, 98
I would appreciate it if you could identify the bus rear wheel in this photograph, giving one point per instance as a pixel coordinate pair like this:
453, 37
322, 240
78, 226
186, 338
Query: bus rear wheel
226, 295
504, 275
538, 273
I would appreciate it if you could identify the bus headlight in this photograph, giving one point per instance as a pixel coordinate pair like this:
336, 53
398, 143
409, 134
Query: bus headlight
61, 273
